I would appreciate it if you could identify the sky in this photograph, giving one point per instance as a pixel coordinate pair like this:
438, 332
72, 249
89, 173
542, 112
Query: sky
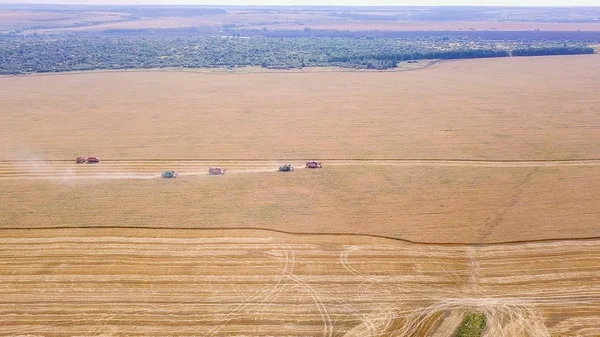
324, 2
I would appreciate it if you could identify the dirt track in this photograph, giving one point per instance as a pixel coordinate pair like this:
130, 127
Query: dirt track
202, 283
151, 169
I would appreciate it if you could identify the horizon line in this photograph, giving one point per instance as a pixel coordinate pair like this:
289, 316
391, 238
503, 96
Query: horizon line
291, 5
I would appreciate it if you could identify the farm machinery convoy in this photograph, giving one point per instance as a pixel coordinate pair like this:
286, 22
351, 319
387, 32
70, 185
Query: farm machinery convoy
214, 171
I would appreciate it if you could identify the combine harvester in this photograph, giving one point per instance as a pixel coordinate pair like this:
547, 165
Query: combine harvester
216, 171
286, 168
169, 175
313, 164
89, 160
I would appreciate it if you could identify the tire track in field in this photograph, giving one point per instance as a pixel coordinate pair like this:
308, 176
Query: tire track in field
151, 168
180, 285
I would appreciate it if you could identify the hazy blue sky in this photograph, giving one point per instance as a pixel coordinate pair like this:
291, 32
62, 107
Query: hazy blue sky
329, 2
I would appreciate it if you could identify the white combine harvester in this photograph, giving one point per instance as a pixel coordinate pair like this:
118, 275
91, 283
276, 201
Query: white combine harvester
286, 168
169, 175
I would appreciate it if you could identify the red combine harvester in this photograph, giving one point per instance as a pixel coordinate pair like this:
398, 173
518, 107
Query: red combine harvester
93, 160
216, 171
80, 160
313, 165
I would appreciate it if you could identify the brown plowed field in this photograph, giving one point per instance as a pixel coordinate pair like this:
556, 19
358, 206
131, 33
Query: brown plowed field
485, 158
254, 283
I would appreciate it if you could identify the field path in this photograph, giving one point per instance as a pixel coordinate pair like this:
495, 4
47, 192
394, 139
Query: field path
151, 168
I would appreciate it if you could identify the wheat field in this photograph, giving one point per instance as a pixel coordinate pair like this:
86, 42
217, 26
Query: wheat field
108, 282
435, 201
502, 109
468, 186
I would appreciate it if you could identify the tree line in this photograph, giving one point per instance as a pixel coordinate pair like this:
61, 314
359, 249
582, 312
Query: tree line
43, 53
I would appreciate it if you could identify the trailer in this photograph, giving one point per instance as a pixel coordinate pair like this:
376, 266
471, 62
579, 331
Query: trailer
313, 164
216, 171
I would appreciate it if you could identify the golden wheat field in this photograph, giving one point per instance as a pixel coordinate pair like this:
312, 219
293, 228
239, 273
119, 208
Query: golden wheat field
468, 186
115, 282
457, 202
543, 108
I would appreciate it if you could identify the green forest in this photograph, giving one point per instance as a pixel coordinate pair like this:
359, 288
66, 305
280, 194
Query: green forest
58, 53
